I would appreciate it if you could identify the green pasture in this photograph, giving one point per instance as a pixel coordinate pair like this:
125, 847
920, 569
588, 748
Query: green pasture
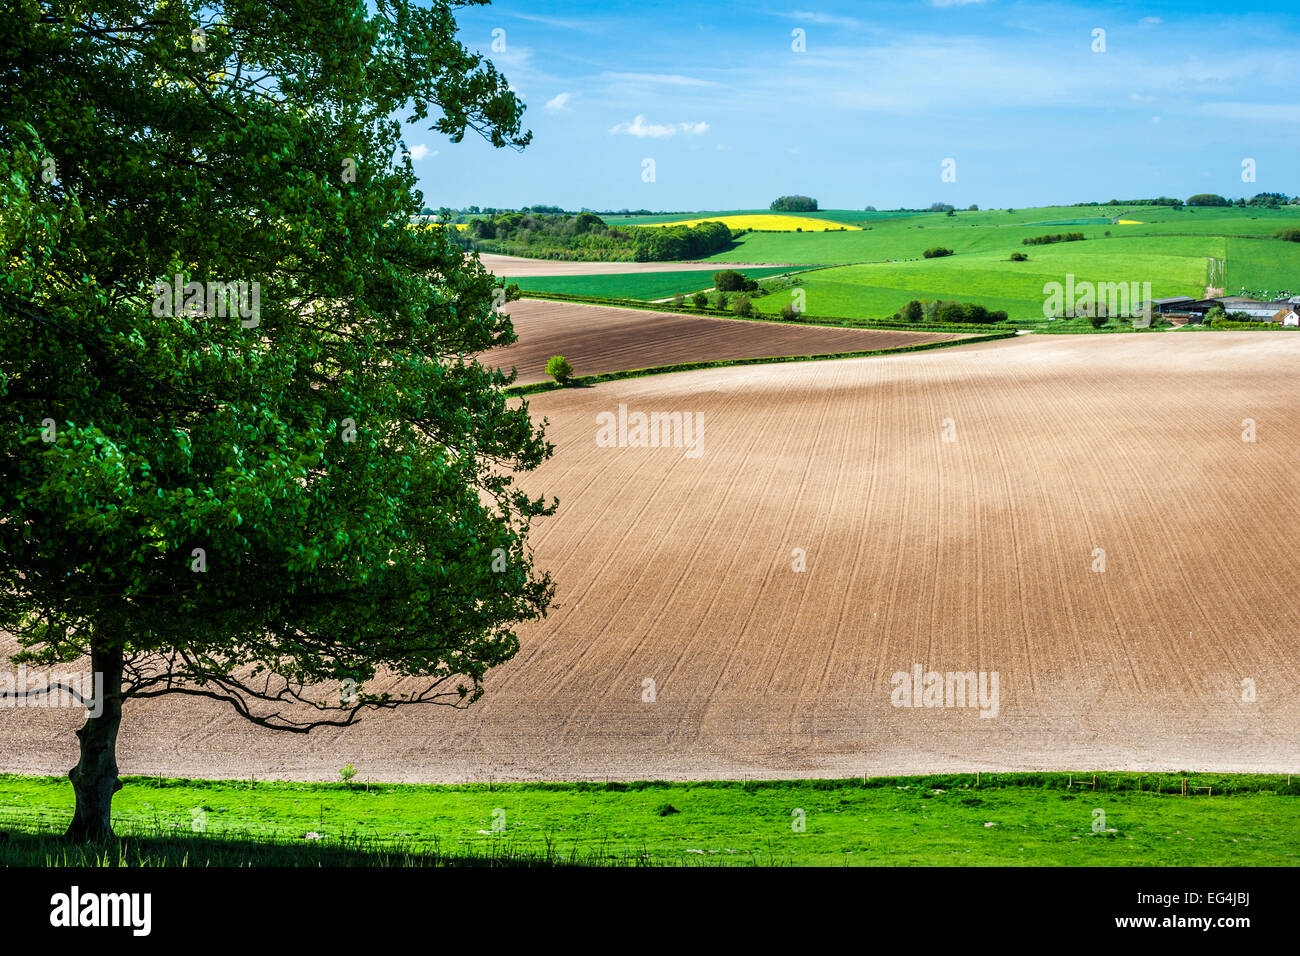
634, 285
1005, 819
1173, 266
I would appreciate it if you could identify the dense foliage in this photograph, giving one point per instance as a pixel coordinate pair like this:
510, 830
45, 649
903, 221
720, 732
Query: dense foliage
729, 280
586, 236
558, 367
793, 204
949, 313
1057, 237
670, 243
264, 498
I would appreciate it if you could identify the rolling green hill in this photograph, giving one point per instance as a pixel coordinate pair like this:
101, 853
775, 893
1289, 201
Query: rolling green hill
1173, 266
1178, 250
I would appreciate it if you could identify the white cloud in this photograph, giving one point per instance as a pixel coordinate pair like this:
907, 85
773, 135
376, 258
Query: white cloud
1150, 21
421, 151
639, 127
559, 103
825, 19
663, 79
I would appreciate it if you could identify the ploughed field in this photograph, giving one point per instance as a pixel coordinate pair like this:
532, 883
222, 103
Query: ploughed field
599, 339
685, 645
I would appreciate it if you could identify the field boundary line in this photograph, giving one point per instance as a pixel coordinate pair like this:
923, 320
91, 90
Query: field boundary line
589, 380
817, 321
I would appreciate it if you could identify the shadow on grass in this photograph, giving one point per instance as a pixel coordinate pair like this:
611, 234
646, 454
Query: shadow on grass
23, 849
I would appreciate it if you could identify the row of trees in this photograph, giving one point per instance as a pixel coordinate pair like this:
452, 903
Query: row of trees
949, 313
460, 215
1055, 237
1268, 200
1264, 200
549, 236
587, 236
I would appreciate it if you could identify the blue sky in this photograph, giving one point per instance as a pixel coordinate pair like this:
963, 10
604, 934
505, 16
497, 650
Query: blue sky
1014, 93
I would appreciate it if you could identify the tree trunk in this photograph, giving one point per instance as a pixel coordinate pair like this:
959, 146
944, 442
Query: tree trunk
94, 778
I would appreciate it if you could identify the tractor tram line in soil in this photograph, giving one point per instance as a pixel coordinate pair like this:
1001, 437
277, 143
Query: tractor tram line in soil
974, 554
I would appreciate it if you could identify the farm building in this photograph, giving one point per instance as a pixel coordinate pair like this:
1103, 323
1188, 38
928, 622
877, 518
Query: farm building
1288, 316
1166, 306
1259, 311
1194, 310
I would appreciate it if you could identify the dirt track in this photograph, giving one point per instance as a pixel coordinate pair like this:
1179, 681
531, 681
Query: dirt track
601, 339
967, 555
517, 267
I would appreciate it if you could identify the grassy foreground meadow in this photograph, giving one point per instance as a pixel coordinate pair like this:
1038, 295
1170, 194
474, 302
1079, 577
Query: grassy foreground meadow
1004, 819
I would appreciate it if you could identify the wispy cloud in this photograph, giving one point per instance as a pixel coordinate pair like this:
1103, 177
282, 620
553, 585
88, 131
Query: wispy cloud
955, 3
421, 151
825, 19
640, 128
583, 26
664, 79
559, 103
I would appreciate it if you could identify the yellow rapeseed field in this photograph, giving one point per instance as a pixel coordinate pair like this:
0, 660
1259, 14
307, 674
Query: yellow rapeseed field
773, 223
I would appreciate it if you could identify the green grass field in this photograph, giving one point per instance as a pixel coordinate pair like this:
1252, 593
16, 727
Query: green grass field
633, 285
907, 238
1007, 819
1263, 266
1180, 251
1174, 265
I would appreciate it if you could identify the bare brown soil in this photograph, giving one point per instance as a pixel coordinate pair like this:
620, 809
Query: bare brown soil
599, 339
970, 555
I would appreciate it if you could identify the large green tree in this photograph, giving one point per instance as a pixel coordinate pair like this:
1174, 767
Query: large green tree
269, 493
